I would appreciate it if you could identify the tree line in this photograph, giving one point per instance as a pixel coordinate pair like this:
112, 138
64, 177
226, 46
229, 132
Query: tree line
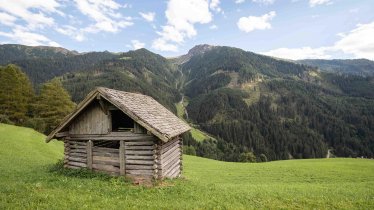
20, 104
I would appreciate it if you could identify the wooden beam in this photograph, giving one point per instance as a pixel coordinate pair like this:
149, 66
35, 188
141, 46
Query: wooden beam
89, 154
122, 160
103, 107
62, 134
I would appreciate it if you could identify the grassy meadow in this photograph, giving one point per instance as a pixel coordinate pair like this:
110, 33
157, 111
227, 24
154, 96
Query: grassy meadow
27, 182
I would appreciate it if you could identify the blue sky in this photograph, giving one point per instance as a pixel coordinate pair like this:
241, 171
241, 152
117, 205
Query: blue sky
292, 29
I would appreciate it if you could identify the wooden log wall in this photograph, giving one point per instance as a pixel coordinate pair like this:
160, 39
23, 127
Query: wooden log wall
75, 154
169, 159
149, 158
106, 160
140, 158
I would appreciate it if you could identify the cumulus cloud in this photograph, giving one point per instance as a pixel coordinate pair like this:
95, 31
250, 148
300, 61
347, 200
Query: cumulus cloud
181, 17
214, 5
357, 42
313, 3
33, 12
136, 44
149, 16
7, 19
251, 23
104, 14
299, 53
20, 35
213, 27
72, 32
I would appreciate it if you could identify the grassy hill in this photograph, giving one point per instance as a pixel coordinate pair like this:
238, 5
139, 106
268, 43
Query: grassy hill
27, 182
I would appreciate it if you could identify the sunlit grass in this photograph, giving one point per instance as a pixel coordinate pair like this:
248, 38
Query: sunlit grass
26, 182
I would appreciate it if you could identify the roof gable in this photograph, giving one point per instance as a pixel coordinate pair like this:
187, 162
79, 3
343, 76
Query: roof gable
141, 108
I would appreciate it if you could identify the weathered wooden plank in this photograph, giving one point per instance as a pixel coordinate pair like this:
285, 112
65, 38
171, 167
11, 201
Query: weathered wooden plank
170, 142
122, 158
106, 172
78, 151
171, 165
140, 157
140, 172
174, 155
127, 136
104, 158
77, 159
140, 152
105, 154
165, 149
171, 150
103, 167
176, 174
136, 147
105, 149
72, 163
62, 134
75, 146
140, 167
103, 162
89, 154
82, 143
138, 143
75, 154
172, 171
140, 162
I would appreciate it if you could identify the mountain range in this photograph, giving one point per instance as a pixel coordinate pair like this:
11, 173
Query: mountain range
245, 102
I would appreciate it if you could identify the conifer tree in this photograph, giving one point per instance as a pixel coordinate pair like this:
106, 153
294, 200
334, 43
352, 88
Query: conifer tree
16, 93
53, 104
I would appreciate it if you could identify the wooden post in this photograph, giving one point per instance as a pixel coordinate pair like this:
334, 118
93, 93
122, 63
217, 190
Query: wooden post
181, 157
89, 154
122, 158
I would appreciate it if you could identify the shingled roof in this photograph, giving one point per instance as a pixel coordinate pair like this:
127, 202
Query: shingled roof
141, 108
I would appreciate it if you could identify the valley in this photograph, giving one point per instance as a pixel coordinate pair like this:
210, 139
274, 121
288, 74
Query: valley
238, 102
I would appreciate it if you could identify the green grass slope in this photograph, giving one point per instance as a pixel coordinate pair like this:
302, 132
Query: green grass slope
26, 182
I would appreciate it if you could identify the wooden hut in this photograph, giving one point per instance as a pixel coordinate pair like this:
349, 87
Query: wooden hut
122, 133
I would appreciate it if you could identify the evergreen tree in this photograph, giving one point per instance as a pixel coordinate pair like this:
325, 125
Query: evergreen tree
53, 104
15, 94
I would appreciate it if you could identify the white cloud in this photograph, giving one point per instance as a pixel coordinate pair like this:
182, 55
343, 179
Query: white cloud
150, 16
239, 1
299, 53
251, 23
214, 5
136, 44
181, 17
313, 3
7, 19
162, 45
213, 27
20, 35
267, 2
104, 14
359, 41
33, 12
72, 32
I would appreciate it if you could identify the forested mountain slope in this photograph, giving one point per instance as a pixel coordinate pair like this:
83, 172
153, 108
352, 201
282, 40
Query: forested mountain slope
254, 106
275, 108
363, 67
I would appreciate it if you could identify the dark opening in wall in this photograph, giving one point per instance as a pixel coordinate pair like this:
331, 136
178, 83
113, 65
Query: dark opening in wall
121, 122
107, 144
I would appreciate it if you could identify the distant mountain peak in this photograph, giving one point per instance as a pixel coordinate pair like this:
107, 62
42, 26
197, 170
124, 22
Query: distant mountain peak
200, 49
196, 50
